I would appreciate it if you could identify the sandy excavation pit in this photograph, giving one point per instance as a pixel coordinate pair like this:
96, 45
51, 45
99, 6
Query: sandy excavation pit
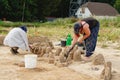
51, 64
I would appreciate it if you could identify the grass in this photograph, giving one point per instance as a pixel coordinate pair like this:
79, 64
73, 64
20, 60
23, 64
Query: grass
51, 32
109, 34
109, 28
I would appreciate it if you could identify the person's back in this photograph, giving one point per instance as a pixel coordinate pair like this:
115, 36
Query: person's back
91, 21
17, 38
14, 38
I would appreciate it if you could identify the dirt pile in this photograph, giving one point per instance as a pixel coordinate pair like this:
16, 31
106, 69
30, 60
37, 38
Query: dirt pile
43, 47
98, 60
1, 39
107, 71
52, 65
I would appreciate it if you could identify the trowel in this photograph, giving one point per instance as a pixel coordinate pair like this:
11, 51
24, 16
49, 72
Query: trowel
77, 43
68, 52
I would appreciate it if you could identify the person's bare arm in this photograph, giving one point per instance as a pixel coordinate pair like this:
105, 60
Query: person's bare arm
86, 32
75, 39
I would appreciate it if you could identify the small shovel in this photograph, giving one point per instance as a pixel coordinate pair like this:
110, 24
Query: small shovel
68, 52
77, 43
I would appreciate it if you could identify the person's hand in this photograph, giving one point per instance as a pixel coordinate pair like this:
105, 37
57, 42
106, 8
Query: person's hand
81, 41
30, 46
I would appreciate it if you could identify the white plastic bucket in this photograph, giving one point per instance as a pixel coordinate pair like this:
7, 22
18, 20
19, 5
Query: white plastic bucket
30, 61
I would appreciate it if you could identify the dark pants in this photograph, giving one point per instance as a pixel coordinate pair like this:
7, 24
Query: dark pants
91, 41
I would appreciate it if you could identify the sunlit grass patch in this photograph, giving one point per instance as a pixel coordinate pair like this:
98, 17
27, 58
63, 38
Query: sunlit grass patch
109, 34
57, 32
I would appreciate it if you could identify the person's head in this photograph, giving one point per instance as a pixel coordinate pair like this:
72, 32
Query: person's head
77, 27
24, 28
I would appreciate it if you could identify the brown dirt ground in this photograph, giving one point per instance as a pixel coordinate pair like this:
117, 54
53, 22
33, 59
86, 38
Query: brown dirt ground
12, 67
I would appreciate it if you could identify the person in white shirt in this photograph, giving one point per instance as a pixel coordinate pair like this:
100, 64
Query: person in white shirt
17, 38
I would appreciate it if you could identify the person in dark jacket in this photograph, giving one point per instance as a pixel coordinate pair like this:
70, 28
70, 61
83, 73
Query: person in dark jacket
89, 28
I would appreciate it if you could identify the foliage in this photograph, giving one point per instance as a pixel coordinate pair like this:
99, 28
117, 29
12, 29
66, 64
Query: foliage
37, 10
117, 5
27, 10
62, 9
109, 28
110, 22
45, 8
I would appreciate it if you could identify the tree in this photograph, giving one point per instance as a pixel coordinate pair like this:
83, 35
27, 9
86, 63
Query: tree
117, 5
46, 7
13, 9
32, 10
29, 10
4, 9
62, 9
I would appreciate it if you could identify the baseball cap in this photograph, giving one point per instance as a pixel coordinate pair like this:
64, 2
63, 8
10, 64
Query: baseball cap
77, 27
24, 28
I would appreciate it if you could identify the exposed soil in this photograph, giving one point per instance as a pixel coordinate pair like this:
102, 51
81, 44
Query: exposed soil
12, 67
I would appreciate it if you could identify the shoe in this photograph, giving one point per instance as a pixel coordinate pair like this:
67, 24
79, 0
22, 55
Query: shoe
12, 51
15, 50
